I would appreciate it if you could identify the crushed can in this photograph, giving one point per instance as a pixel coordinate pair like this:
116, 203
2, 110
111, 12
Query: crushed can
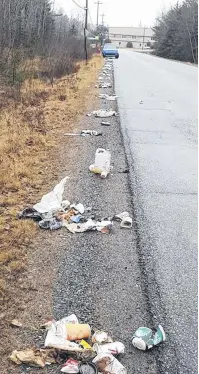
145, 339
71, 366
113, 348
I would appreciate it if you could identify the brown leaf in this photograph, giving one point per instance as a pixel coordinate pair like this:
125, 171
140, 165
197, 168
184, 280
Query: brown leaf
16, 323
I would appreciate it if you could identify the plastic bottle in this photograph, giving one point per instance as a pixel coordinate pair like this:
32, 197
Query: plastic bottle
102, 162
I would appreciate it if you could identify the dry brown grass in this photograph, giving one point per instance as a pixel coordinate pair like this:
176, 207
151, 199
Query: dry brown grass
29, 130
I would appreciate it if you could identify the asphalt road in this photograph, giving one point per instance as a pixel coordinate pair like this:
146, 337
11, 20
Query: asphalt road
158, 110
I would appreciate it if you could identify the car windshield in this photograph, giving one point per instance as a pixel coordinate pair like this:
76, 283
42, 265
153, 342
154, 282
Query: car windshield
109, 46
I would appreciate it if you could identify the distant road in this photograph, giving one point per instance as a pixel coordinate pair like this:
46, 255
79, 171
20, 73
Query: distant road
158, 109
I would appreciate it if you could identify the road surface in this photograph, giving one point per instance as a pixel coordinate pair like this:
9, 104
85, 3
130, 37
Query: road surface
158, 109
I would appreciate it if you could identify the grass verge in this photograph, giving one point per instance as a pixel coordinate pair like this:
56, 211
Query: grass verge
30, 129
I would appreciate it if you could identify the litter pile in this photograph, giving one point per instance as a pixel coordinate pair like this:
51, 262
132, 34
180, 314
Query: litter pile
54, 213
80, 349
106, 76
73, 345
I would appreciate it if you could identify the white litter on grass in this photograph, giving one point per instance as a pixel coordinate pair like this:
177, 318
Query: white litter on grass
52, 201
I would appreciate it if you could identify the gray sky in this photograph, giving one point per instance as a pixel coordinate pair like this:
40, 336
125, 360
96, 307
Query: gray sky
119, 12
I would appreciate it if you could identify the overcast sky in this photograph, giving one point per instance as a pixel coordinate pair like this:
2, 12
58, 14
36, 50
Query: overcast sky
119, 12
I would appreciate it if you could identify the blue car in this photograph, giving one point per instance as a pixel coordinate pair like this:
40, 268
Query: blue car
109, 50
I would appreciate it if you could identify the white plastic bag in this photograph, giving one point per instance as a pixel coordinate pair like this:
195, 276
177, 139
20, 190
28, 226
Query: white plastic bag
52, 200
57, 335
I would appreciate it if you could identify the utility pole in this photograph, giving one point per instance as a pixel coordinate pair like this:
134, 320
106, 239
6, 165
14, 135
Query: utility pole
143, 37
85, 31
98, 4
102, 15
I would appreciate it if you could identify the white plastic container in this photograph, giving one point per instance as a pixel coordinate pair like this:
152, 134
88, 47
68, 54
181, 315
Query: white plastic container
102, 162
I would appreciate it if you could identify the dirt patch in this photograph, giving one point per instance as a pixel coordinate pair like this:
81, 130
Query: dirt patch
31, 149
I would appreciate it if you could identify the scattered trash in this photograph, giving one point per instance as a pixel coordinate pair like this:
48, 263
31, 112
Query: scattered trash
34, 357
104, 113
65, 204
121, 216
105, 123
84, 133
30, 213
102, 163
107, 363
77, 331
68, 336
101, 337
79, 207
107, 97
71, 366
144, 338
52, 200
61, 334
126, 221
85, 345
52, 224
111, 98
90, 132
46, 325
89, 114
104, 85
89, 225
16, 323
113, 348
88, 368
76, 219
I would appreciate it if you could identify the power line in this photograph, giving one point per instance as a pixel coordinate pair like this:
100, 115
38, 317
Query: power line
82, 7
103, 15
98, 4
91, 19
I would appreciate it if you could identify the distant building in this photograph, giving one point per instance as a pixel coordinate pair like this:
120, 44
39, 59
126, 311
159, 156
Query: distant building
140, 37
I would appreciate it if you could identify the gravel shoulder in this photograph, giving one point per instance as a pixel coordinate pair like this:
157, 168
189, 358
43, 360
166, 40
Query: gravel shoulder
96, 276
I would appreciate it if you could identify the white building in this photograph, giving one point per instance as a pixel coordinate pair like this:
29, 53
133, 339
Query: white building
138, 36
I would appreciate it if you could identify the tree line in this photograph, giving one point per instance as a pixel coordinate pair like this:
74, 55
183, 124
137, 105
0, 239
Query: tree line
30, 29
176, 32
